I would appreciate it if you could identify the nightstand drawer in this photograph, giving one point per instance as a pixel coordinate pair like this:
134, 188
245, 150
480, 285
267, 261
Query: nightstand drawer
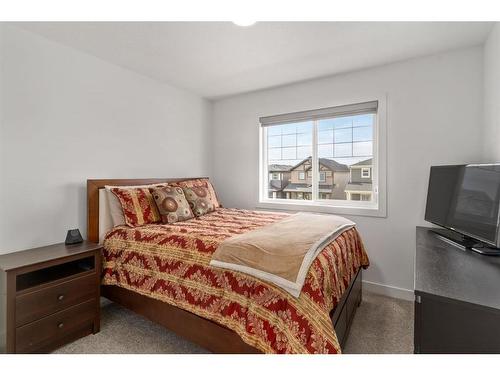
46, 301
37, 335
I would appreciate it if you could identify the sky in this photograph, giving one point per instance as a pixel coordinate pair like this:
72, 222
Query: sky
346, 140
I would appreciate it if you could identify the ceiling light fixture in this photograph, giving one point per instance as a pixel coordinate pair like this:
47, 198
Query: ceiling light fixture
244, 23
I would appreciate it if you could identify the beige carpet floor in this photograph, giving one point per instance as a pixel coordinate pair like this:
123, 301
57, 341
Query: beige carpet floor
381, 325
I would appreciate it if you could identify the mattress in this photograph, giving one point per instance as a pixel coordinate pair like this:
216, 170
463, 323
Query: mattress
171, 263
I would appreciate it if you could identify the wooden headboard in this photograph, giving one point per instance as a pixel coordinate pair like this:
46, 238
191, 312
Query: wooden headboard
93, 187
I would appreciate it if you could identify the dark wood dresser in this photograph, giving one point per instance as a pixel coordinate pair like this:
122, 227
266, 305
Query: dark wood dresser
49, 296
457, 298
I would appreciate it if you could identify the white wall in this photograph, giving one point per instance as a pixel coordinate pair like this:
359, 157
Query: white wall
67, 116
434, 117
492, 95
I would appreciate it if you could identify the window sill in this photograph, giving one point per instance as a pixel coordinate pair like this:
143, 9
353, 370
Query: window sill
351, 210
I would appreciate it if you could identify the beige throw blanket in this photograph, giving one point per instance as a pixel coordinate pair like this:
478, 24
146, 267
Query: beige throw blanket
282, 252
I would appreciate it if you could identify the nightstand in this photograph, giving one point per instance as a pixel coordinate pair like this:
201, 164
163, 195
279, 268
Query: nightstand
49, 296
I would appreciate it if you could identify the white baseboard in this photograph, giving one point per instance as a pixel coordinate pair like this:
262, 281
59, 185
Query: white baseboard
388, 290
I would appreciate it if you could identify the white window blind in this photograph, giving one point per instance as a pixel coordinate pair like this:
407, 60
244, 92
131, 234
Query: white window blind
317, 114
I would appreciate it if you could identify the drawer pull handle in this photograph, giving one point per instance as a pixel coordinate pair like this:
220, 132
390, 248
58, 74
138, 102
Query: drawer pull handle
60, 325
60, 297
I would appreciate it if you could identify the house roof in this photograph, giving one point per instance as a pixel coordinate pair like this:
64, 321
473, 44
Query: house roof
364, 162
306, 188
328, 163
279, 168
275, 185
333, 165
360, 186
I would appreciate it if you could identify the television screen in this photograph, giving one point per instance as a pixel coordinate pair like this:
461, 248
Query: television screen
466, 198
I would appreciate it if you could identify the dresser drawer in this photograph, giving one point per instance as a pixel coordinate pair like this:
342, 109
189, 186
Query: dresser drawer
43, 302
41, 333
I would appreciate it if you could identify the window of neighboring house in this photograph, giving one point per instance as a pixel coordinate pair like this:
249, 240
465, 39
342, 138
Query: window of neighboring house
330, 140
365, 197
276, 176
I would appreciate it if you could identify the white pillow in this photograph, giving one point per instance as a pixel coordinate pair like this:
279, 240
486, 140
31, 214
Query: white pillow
115, 208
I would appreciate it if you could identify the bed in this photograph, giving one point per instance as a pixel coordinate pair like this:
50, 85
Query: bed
162, 272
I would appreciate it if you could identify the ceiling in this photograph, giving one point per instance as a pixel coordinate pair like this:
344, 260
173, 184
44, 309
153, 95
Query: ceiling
216, 59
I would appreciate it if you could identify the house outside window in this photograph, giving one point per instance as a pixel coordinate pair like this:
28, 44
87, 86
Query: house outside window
279, 177
331, 159
360, 186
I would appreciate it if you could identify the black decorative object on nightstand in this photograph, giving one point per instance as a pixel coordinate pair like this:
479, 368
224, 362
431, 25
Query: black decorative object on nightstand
73, 237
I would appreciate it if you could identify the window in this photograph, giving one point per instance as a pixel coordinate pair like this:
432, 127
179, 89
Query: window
365, 197
276, 176
331, 158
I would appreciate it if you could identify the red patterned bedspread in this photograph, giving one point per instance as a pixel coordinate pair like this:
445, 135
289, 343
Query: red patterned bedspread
171, 263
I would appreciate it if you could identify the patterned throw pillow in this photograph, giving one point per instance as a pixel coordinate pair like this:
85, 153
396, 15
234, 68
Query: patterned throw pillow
138, 206
115, 207
200, 200
172, 204
201, 182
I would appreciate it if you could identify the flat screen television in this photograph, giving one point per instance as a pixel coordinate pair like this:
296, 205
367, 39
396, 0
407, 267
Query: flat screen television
466, 199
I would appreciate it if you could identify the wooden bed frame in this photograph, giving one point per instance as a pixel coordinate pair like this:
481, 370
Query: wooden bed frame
201, 331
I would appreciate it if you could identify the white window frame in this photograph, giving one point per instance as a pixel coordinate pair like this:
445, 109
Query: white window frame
377, 207
365, 170
302, 174
277, 174
324, 176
